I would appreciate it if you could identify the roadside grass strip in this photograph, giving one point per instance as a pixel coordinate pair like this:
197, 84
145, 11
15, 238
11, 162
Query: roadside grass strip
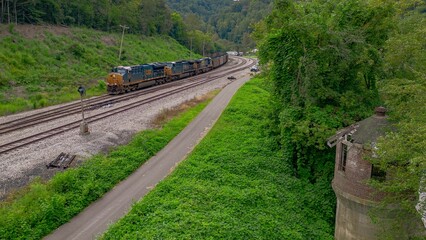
233, 186
43, 207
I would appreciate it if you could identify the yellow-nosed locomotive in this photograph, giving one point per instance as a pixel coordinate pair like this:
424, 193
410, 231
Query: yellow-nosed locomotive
128, 78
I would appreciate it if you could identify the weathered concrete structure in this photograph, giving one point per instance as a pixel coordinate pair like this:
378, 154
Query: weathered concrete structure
355, 199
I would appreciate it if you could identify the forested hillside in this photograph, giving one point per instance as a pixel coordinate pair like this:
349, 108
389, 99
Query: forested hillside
142, 16
145, 17
43, 65
230, 20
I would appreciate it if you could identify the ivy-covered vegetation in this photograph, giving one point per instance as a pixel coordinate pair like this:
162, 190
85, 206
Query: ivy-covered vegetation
42, 66
324, 59
233, 186
35, 212
330, 63
402, 152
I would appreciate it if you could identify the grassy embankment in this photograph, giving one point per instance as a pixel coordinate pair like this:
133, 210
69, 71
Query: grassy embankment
233, 186
42, 207
44, 65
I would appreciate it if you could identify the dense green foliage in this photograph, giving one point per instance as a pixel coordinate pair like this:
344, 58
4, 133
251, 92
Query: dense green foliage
402, 153
230, 20
45, 206
142, 16
329, 62
233, 186
146, 17
42, 66
324, 59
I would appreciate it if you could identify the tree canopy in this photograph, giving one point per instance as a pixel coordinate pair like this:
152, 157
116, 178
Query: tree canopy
142, 16
330, 63
324, 60
146, 17
402, 152
229, 20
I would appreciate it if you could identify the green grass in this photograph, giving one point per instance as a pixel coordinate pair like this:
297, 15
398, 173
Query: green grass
43, 207
233, 186
47, 69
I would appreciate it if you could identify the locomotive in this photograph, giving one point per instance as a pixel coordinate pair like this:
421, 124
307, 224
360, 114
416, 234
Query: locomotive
128, 78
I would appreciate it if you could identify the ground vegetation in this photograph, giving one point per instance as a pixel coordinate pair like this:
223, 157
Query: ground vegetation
234, 185
35, 211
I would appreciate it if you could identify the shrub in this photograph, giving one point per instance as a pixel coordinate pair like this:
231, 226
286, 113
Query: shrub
11, 28
102, 85
77, 50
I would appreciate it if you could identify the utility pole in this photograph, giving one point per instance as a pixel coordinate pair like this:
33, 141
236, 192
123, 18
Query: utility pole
203, 47
122, 37
190, 53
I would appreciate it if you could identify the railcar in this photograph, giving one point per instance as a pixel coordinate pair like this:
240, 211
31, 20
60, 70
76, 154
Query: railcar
181, 69
128, 78
204, 65
123, 79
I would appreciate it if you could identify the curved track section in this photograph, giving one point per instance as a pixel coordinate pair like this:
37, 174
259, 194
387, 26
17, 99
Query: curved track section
99, 102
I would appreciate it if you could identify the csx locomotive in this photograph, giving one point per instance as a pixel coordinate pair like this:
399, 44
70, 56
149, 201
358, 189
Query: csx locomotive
128, 78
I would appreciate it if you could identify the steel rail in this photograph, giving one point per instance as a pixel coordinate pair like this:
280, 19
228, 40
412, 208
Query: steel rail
91, 104
75, 124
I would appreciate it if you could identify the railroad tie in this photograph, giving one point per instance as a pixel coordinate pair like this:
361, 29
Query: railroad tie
61, 161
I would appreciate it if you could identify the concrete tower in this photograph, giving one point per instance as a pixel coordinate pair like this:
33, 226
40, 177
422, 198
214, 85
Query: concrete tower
355, 199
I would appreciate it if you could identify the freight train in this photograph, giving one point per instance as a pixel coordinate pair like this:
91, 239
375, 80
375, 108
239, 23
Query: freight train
128, 78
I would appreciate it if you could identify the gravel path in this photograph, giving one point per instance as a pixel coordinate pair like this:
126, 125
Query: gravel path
19, 167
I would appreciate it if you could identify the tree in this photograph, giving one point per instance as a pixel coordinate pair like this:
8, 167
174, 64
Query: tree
401, 154
324, 59
229, 19
178, 30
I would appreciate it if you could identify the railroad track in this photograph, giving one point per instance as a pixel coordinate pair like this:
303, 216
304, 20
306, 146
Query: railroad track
91, 104
50, 115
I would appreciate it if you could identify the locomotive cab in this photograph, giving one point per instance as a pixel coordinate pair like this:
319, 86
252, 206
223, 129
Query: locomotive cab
116, 79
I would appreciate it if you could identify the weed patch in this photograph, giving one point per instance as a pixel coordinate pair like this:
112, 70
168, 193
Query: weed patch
168, 113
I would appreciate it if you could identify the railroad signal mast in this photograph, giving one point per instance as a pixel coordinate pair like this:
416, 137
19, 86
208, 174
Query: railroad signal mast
84, 126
